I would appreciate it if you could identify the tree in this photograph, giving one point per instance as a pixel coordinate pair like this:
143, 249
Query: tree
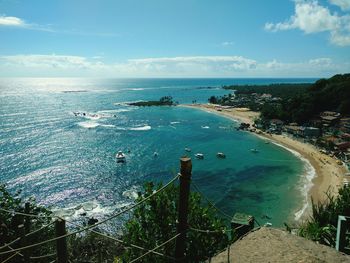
154, 222
213, 100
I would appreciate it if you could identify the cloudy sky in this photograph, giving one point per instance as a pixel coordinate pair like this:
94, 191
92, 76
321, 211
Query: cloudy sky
168, 38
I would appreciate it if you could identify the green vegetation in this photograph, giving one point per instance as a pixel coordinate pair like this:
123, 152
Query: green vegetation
154, 222
9, 223
325, 94
321, 227
151, 224
163, 101
82, 248
276, 90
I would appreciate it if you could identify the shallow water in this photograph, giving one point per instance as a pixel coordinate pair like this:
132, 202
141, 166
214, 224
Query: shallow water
68, 161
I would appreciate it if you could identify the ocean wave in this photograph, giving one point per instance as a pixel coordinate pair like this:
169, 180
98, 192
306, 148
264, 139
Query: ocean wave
88, 209
108, 125
306, 181
13, 114
142, 128
111, 113
88, 124
132, 192
133, 89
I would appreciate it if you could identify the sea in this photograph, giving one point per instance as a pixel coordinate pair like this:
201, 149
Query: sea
59, 137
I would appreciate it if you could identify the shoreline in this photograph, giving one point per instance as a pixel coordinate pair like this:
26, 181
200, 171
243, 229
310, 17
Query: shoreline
322, 172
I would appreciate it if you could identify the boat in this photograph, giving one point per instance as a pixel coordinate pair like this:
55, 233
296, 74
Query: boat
254, 150
187, 149
221, 155
155, 154
120, 156
199, 155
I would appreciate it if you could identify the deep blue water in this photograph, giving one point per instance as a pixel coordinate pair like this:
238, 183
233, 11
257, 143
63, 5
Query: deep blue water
68, 161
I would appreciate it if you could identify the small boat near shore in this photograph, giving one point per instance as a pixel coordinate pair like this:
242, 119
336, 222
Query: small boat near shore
221, 155
187, 149
199, 155
254, 150
120, 156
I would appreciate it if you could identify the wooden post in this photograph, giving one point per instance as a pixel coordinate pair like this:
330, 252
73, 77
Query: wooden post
61, 244
185, 180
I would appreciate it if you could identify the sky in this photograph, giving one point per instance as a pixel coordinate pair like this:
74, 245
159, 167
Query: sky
168, 38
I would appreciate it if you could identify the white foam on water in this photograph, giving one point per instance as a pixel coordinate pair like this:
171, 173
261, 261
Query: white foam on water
88, 209
134, 89
111, 113
143, 128
88, 124
108, 125
131, 193
306, 180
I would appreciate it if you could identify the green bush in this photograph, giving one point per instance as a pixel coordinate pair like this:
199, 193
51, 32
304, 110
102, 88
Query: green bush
154, 222
322, 226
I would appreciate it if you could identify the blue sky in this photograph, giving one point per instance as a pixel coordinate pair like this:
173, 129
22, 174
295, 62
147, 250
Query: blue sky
182, 38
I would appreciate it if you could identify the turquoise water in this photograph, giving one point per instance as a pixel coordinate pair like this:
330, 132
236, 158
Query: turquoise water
67, 161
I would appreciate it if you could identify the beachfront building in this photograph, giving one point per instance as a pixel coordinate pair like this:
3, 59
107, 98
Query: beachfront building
311, 132
345, 124
300, 131
329, 118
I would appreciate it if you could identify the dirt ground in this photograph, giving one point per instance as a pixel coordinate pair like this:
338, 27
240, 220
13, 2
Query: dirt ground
277, 246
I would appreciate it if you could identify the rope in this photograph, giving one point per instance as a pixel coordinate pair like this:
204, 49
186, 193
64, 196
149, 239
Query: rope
210, 202
210, 231
223, 231
124, 243
98, 223
38, 230
44, 256
10, 257
9, 244
24, 214
163, 244
27, 235
17, 252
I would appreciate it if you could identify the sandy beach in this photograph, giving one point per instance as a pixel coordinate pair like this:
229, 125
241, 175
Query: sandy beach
329, 175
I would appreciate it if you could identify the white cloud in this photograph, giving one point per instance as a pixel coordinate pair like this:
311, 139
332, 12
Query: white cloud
310, 17
227, 43
343, 4
192, 66
11, 21
49, 61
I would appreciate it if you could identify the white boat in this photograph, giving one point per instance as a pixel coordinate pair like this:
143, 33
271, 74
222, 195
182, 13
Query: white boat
254, 150
155, 154
187, 149
120, 156
199, 155
221, 155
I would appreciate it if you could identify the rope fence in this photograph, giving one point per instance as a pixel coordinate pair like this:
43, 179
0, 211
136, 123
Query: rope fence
91, 226
61, 234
